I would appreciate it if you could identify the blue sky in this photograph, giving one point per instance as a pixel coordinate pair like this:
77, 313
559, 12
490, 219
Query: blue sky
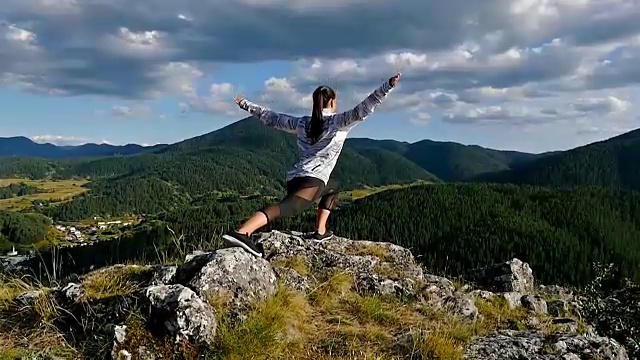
73, 120
530, 76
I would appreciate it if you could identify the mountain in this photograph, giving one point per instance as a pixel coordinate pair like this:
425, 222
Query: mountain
449, 161
245, 158
249, 153
612, 163
23, 147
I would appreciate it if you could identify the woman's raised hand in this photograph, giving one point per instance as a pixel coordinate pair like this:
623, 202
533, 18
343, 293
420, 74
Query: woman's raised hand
394, 80
239, 99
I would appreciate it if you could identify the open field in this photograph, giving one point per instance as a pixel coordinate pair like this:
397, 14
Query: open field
360, 193
53, 190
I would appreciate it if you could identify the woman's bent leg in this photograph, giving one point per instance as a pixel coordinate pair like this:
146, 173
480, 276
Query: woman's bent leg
325, 206
301, 193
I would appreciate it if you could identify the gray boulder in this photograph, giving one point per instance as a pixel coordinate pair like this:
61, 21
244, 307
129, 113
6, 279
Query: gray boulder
511, 276
164, 275
534, 303
535, 345
376, 267
236, 278
182, 313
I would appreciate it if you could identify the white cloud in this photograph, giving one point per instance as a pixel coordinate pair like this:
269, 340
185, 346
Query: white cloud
132, 112
219, 101
62, 140
571, 64
607, 105
421, 118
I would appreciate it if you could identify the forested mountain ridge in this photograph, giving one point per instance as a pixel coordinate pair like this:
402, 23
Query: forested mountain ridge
247, 158
450, 227
450, 161
613, 163
249, 138
455, 227
20, 146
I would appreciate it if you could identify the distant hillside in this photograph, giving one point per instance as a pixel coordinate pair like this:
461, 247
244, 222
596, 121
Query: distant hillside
249, 154
26, 167
449, 161
614, 162
459, 226
24, 147
244, 157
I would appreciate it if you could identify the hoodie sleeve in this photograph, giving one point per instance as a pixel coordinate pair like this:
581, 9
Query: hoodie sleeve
364, 109
270, 118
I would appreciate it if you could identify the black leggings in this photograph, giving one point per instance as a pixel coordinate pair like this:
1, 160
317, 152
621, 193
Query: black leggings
301, 193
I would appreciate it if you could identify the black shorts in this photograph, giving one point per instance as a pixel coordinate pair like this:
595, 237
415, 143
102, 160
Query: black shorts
301, 193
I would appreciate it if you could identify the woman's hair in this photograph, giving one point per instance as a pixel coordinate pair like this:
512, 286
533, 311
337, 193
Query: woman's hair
321, 98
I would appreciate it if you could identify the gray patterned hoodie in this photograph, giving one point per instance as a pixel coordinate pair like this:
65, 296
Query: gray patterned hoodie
318, 160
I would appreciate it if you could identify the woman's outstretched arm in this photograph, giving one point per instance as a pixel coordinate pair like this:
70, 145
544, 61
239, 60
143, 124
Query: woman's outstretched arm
366, 107
270, 118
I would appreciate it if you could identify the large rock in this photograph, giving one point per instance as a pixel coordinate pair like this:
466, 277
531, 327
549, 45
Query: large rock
462, 305
235, 278
381, 268
71, 293
534, 345
164, 275
558, 307
182, 313
514, 299
28, 299
511, 276
534, 303
437, 287
377, 267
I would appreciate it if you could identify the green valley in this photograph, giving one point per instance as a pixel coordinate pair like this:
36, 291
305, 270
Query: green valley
409, 193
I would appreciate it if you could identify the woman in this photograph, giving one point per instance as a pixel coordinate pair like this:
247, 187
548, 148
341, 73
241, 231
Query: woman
320, 139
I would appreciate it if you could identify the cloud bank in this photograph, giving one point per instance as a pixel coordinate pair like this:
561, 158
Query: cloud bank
570, 63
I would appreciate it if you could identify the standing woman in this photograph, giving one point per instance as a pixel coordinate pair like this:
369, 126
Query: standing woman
321, 137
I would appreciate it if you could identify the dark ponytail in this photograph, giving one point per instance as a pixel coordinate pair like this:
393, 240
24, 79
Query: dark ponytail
321, 98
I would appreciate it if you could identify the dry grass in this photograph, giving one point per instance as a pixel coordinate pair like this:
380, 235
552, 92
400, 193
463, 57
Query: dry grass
374, 249
497, 314
334, 286
55, 191
118, 281
446, 340
333, 322
458, 283
27, 330
36, 344
446, 336
10, 288
272, 329
296, 263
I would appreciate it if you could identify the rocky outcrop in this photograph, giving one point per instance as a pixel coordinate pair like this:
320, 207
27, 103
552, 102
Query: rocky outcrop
534, 303
234, 277
377, 268
382, 268
535, 345
512, 276
184, 303
184, 315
